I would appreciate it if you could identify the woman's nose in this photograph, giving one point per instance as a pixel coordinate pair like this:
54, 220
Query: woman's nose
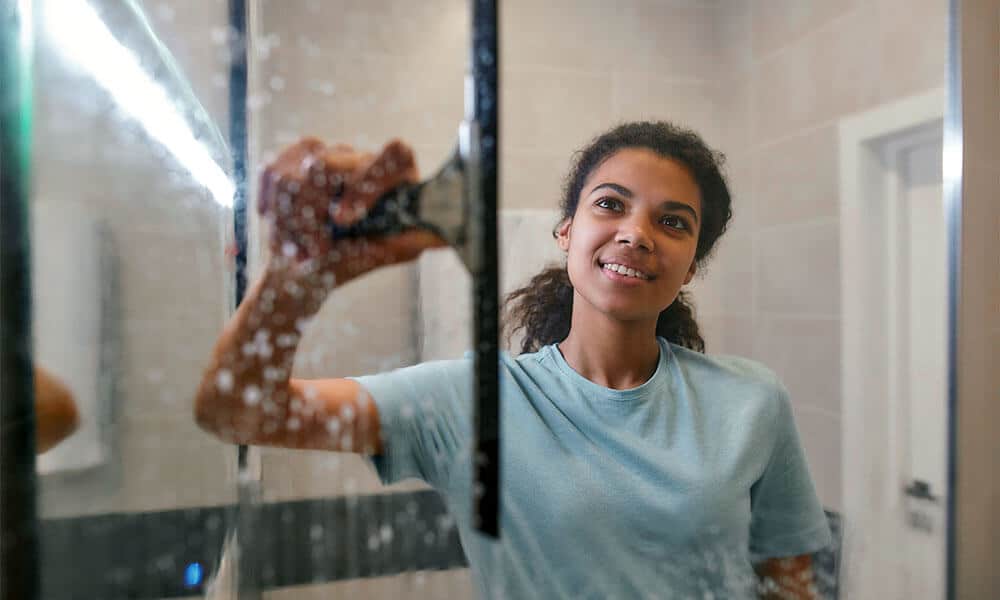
635, 235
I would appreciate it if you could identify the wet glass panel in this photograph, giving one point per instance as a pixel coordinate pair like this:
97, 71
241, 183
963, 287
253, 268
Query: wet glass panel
131, 208
690, 482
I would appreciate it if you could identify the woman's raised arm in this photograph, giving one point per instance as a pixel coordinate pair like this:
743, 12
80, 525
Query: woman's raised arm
246, 394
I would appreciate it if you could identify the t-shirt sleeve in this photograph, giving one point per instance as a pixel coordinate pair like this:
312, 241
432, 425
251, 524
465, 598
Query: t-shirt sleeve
424, 419
786, 516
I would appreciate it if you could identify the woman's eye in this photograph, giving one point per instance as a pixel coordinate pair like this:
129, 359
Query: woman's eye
609, 203
674, 222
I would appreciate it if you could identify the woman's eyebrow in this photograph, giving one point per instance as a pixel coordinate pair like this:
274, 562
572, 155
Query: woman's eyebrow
667, 204
621, 189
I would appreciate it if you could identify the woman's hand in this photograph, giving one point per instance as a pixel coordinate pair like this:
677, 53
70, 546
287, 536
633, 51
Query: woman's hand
311, 185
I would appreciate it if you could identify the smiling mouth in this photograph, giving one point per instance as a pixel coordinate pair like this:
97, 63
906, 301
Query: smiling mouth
626, 271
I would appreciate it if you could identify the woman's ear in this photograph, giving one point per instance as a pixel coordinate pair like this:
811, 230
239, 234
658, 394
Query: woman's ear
561, 233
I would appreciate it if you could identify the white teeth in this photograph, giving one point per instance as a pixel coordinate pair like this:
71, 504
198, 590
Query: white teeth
623, 270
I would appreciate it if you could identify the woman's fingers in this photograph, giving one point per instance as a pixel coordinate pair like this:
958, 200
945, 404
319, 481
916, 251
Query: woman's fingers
283, 169
375, 176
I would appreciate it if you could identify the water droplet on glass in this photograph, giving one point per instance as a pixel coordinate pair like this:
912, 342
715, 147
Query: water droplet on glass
251, 395
224, 380
289, 249
293, 424
316, 533
347, 413
386, 534
333, 425
220, 35
446, 522
277, 83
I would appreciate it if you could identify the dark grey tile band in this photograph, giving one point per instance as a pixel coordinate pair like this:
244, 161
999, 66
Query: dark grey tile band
150, 555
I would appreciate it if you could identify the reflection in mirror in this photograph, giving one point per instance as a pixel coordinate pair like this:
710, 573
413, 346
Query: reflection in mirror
717, 450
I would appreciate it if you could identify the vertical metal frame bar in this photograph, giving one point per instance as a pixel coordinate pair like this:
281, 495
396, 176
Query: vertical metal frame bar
19, 555
484, 66
952, 184
248, 488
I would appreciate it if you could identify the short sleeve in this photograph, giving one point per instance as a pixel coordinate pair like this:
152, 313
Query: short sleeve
424, 419
786, 516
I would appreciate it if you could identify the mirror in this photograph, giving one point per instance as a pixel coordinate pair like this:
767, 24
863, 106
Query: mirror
829, 278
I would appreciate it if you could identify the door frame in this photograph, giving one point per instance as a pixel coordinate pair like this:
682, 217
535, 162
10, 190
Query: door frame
871, 449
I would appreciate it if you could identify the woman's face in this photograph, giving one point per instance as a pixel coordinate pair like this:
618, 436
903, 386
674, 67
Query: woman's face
639, 211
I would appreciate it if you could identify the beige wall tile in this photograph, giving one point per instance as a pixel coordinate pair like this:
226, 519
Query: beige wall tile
797, 179
644, 97
364, 327
445, 322
780, 23
364, 100
732, 115
293, 474
797, 270
170, 463
912, 46
672, 40
532, 180
552, 111
820, 435
825, 75
733, 29
384, 27
526, 246
740, 179
805, 353
564, 34
724, 285
727, 335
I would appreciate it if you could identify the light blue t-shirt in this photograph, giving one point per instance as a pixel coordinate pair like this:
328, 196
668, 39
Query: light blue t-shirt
668, 490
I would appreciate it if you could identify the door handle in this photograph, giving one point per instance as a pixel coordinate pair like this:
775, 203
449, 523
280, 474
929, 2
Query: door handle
921, 490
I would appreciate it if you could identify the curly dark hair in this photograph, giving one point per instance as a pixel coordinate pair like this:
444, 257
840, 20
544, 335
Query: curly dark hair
544, 307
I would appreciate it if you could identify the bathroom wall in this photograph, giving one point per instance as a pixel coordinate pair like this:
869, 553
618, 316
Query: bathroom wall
792, 69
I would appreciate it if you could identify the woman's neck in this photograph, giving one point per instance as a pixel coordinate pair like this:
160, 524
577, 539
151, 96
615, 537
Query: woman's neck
615, 354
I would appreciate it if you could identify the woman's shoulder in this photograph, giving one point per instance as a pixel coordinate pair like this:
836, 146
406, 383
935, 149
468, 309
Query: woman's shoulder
727, 369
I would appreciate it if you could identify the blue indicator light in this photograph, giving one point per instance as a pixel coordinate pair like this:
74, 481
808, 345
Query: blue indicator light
192, 574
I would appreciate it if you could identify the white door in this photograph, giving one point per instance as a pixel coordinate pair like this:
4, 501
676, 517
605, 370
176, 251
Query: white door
922, 373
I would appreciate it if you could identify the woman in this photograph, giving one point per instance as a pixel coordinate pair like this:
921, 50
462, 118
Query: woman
633, 465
